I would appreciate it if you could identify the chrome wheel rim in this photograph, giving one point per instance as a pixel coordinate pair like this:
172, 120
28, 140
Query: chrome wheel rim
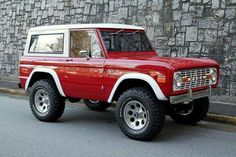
94, 101
41, 101
135, 115
186, 111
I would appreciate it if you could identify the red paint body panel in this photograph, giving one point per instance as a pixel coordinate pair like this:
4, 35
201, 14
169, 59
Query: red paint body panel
95, 78
84, 78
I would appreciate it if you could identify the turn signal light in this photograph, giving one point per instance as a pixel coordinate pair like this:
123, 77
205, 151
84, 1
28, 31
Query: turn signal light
185, 79
209, 76
24, 69
161, 79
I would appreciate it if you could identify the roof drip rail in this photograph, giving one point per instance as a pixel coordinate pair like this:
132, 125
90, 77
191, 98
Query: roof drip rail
117, 32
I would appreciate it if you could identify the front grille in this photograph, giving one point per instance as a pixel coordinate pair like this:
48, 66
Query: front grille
196, 78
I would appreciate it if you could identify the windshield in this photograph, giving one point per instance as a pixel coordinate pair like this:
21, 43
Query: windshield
126, 41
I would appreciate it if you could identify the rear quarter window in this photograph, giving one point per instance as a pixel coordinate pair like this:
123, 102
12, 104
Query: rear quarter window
47, 43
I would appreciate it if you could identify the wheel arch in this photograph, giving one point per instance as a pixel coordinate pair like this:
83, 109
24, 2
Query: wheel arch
132, 79
43, 73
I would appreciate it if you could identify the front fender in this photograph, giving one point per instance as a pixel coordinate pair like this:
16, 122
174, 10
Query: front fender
153, 84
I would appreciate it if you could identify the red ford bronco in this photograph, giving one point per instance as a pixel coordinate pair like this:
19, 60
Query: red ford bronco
114, 63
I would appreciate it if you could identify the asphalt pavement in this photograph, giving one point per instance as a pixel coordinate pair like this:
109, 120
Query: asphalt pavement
84, 133
219, 105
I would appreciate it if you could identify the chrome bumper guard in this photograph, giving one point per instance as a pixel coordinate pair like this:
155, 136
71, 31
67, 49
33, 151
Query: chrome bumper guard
188, 97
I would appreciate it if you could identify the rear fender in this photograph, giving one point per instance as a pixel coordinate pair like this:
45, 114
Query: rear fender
49, 70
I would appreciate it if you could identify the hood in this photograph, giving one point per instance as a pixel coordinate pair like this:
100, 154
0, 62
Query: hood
176, 63
187, 63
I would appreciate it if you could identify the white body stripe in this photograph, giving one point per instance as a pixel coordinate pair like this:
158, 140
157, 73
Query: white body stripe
139, 76
46, 70
27, 65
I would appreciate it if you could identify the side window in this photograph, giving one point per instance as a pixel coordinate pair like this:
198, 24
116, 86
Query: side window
47, 43
84, 43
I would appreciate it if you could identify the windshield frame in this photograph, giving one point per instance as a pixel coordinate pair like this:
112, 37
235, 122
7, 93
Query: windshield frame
128, 31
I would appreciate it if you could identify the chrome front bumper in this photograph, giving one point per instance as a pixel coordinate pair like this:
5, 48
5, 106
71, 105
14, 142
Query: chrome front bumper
188, 97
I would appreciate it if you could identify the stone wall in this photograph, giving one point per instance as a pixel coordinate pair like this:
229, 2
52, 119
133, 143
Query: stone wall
191, 28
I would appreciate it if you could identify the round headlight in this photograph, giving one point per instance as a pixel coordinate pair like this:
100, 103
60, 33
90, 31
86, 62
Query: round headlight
178, 80
213, 75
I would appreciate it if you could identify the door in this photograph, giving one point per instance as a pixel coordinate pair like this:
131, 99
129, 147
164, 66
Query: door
85, 66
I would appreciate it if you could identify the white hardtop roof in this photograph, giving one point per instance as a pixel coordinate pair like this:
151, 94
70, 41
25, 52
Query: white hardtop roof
95, 25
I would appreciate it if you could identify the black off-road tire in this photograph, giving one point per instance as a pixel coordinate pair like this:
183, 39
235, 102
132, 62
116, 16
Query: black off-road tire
199, 111
154, 108
57, 102
96, 106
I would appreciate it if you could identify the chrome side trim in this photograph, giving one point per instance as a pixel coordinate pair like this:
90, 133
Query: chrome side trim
23, 77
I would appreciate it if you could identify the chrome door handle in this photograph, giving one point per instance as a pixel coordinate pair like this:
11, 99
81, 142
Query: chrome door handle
69, 60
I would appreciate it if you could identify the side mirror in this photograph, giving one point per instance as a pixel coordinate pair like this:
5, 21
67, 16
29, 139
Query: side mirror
84, 53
